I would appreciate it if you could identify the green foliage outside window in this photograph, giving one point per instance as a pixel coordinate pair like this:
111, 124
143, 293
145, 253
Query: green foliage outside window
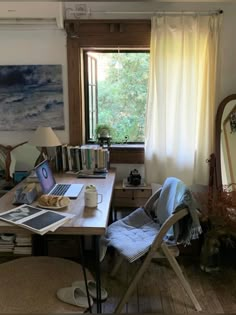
122, 94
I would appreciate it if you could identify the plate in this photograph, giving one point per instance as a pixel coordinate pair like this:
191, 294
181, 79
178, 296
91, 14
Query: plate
52, 202
51, 207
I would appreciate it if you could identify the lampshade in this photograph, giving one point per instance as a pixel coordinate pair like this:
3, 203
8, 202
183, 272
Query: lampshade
44, 137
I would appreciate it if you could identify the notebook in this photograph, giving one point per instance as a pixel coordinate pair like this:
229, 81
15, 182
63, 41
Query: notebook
49, 185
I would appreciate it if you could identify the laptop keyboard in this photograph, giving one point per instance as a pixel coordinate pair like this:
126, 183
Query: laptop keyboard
60, 190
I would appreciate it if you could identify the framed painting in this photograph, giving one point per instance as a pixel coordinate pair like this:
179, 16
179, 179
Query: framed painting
31, 96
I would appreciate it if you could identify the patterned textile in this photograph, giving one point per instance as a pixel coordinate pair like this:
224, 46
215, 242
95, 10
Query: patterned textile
133, 235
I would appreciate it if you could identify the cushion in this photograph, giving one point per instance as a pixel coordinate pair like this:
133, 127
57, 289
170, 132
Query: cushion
133, 235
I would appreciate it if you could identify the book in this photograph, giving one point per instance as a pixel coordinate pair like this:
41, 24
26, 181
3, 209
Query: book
91, 174
65, 163
37, 220
94, 157
69, 157
59, 165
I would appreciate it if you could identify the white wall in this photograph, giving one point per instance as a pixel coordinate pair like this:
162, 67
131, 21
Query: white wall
34, 46
49, 47
228, 52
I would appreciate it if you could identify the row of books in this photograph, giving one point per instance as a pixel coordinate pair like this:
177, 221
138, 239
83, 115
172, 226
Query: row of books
85, 157
23, 245
16, 244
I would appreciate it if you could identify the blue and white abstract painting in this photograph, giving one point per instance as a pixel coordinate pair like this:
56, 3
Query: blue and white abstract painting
31, 96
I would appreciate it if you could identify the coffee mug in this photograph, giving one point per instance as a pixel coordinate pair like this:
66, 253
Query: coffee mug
91, 197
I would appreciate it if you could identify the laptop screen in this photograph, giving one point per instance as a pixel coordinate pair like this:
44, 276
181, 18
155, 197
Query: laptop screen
45, 176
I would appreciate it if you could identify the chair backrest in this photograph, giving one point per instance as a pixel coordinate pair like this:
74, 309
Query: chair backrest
169, 200
170, 222
171, 195
162, 204
149, 205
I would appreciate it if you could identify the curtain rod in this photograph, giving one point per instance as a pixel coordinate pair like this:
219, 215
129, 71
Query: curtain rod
168, 12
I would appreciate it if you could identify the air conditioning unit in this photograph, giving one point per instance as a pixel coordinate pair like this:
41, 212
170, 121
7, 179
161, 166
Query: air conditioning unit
28, 13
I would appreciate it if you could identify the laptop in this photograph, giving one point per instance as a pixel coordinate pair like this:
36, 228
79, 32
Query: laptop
49, 185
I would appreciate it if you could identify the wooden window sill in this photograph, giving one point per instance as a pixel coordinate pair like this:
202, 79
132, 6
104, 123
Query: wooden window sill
127, 154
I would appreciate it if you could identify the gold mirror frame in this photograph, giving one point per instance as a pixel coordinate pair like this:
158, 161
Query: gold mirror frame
219, 116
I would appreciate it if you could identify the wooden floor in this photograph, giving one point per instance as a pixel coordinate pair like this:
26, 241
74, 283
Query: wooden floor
160, 292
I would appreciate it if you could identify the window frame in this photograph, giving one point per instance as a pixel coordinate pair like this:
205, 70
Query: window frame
86, 84
100, 33
87, 100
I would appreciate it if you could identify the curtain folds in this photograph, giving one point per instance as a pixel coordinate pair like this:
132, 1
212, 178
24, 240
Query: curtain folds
179, 131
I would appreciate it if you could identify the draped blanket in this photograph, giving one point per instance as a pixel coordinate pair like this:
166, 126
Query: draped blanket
133, 235
175, 195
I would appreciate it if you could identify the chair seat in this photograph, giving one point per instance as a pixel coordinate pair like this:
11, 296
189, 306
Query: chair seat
137, 231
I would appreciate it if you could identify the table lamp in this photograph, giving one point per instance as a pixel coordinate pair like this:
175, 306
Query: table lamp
44, 137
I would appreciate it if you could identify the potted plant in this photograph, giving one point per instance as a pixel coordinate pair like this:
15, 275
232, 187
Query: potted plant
103, 134
103, 131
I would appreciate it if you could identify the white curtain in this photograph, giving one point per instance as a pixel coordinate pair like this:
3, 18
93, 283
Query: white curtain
180, 116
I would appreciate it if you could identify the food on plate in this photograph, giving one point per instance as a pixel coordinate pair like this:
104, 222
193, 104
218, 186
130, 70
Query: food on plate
53, 201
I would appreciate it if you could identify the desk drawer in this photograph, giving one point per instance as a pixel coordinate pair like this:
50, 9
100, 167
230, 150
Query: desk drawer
135, 193
120, 193
125, 203
131, 197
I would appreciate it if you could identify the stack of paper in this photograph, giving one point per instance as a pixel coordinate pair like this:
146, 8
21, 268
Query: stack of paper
7, 243
23, 245
37, 220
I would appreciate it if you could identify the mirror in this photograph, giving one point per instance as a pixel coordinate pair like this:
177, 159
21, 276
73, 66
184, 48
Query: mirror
226, 143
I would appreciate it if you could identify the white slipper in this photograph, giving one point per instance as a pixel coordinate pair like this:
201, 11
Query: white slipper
91, 288
75, 296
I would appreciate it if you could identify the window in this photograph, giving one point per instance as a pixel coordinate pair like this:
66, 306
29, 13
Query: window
85, 35
116, 93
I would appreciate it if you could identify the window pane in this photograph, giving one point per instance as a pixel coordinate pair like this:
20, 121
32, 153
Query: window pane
92, 96
122, 79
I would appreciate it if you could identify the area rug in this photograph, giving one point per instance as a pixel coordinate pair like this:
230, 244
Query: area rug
29, 285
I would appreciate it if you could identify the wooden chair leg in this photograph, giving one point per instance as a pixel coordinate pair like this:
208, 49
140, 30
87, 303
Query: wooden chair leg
117, 266
174, 264
133, 283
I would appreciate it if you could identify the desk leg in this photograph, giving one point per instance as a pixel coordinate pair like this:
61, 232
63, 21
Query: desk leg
81, 245
98, 272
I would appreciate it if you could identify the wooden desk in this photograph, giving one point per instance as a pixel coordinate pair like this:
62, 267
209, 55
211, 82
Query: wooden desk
132, 197
87, 221
129, 197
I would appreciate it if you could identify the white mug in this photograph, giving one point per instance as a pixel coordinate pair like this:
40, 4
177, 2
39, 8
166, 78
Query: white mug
91, 197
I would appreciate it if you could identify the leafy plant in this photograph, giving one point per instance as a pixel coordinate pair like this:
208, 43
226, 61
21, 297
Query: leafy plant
122, 95
103, 130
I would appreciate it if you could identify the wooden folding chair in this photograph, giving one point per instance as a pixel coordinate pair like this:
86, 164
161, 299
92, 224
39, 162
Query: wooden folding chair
158, 246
